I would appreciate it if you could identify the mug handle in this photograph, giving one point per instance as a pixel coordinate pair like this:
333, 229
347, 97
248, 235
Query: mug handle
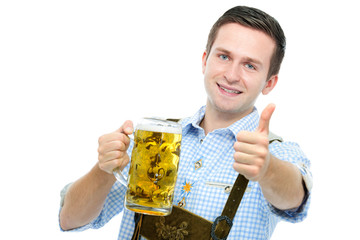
120, 176
117, 173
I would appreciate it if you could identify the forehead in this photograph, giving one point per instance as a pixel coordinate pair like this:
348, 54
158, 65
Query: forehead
241, 40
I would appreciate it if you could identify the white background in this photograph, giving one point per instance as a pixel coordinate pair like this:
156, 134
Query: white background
71, 71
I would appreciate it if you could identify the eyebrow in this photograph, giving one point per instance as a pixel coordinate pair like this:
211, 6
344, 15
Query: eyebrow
247, 59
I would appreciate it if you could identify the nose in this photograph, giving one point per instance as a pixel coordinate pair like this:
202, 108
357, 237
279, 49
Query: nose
232, 73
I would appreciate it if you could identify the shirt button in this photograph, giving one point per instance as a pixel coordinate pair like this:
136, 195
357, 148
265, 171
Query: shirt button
201, 141
198, 164
227, 189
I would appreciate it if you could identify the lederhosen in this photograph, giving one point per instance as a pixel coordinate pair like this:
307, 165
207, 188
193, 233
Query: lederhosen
183, 224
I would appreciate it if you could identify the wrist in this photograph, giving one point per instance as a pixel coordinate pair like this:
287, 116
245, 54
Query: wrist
103, 177
266, 180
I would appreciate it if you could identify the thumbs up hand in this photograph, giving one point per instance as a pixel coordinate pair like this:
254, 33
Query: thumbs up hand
252, 156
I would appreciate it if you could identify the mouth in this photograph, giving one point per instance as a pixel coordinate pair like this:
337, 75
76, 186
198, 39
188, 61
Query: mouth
228, 90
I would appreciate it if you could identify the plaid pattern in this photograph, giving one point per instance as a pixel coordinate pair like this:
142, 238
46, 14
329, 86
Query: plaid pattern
255, 219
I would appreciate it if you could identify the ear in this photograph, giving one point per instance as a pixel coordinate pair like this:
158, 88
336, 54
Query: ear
270, 84
204, 58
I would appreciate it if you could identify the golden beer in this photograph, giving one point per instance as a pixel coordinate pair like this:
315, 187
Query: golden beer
153, 170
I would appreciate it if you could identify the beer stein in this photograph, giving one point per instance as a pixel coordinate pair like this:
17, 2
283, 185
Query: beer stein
153, 167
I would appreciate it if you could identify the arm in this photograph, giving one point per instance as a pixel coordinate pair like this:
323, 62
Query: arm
282, 185
86, 197
280, 181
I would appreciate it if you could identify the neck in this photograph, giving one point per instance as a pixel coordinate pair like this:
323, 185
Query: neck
215, 119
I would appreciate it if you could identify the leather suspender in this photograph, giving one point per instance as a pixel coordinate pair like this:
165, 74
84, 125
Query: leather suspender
222, 224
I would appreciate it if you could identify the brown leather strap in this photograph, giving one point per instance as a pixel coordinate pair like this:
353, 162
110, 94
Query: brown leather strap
222, 225
235, 197
138, 223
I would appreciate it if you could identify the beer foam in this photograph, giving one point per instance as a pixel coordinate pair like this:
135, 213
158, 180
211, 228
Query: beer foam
159, 128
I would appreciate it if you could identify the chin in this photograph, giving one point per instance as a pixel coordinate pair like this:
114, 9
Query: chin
233, 109
227, 109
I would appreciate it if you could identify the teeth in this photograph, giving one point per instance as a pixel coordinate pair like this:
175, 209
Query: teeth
230, 91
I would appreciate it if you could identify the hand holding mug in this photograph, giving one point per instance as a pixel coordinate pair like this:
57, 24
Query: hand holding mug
112, 148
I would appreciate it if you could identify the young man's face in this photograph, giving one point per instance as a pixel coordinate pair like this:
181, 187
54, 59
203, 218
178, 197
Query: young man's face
235, 71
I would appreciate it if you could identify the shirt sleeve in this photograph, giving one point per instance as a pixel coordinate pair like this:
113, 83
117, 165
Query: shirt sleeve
291, 152
114, 203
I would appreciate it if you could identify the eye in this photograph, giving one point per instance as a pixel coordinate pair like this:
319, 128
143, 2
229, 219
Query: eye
224, 57
250, 66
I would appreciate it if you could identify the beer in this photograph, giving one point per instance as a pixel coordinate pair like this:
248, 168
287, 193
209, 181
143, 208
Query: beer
153, 169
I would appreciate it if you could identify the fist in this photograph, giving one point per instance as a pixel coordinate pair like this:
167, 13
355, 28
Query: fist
112, 148
252, 156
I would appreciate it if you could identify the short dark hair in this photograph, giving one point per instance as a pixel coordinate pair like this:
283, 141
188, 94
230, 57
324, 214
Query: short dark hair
256, 19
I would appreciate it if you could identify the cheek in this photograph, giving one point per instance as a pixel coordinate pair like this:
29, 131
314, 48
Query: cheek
247, 81
215, 72
253, 85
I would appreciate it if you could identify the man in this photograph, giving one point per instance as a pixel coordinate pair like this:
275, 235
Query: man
226, 137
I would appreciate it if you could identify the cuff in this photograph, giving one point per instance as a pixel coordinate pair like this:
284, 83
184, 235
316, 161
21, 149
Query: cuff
299, 213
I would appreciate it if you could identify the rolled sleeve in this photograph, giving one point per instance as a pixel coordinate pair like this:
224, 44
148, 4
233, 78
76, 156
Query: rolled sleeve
293, 215
114, 204
291, 152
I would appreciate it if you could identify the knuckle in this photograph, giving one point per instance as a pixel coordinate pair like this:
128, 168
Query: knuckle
123, 154
119, 145
264, 141
101, 139
259, 164
117, 154
237, 156
122, 146
101, 159
100, 149
125, 160
115, 144
116, 162
236, 167
237, 146
240, 135
253, 172
117, 135
262, 152
125, 139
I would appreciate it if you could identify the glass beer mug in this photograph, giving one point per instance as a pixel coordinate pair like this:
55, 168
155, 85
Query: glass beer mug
153, 167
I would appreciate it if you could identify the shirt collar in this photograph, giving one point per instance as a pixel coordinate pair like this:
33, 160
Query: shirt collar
194, 121
247, 123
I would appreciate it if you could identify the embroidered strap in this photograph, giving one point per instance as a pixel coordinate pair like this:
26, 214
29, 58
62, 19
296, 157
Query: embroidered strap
222, 225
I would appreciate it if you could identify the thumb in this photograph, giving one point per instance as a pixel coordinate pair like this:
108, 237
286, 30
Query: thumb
127, 128
264, 121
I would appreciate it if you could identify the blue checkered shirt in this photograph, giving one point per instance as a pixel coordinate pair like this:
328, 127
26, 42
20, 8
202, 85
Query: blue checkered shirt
206, 168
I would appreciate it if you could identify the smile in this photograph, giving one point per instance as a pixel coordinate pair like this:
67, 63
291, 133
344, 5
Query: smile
229, 90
